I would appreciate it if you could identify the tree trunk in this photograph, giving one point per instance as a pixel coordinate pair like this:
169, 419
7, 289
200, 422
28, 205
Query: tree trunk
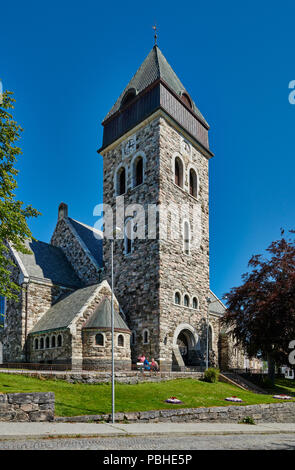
271, 368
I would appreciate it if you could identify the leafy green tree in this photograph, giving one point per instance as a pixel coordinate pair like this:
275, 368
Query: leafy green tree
13, 214
262, 310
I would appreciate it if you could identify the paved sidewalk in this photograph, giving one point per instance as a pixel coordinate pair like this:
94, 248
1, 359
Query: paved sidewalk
10, 430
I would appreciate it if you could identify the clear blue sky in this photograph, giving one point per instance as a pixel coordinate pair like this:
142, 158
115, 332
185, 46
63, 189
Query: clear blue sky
67, 62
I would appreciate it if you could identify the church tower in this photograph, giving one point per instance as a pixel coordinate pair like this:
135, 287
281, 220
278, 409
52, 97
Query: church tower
156, 153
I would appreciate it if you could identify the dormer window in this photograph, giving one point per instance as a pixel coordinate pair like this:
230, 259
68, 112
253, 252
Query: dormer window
186, 99
128, 97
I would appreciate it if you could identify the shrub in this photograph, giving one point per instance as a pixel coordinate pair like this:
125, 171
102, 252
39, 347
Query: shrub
211, 375
248, 420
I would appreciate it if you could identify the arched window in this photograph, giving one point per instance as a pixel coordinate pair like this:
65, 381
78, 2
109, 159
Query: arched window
59, 341
145, 336
210, 334
177, 298
42, 343
186, 238
36, 343
138, 171
195, 303
99, 339
121, 181
128, 236
193, 183
133, 338
121, 340
186, 300
47, 342
53, 342
178, 172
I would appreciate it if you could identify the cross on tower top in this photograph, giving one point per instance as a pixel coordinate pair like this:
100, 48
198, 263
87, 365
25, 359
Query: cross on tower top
155, 36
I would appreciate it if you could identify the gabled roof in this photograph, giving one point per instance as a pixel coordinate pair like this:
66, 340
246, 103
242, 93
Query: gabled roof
92, 238
102, 317
216, 306
154, 67
61, 314
48, 262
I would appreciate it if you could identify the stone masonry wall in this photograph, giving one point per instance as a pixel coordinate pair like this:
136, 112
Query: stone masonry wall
54, 354
64, 237
100, 356
27, 406
136, 275
188, 274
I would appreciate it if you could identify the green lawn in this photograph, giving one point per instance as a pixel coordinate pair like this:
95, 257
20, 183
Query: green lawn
81, 399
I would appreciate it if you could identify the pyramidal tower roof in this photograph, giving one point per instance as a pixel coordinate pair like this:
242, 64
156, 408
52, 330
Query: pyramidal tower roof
154, 67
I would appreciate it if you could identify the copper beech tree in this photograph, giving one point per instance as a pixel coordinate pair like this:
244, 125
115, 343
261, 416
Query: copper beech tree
261, 312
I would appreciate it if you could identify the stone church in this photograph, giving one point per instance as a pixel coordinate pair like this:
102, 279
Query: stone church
156, 154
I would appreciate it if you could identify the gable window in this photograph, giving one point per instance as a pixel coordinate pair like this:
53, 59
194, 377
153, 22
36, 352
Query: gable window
186, 238
47, 342
42, 343
2, 311
99, 339
59, 341
178, 172
177, 298
36, 343
186, 300
121, 340
193, 183
53, 342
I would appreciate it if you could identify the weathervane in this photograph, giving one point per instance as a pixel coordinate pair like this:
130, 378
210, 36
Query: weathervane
155, 36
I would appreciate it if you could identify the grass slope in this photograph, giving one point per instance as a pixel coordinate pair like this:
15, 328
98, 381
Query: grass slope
81, 399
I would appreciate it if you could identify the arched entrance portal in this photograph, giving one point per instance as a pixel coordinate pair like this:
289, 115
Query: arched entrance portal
186, 346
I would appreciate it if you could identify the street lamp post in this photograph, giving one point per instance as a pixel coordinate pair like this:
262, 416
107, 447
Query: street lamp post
116, 231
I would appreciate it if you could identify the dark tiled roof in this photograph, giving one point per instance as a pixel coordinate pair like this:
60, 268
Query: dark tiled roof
216, 306
92, 239
64, 311
102, 317
49, 262
153, 68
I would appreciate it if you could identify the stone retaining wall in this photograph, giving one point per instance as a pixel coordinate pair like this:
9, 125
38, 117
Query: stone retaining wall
272, 413
27, 406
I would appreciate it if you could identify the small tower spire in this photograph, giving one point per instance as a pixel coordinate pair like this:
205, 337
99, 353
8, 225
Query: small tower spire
155, 36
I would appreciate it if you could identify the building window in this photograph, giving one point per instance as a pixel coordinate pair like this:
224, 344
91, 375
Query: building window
42, 343
133, 338
53, 342
177, 298
2, 311
128, 236
47, 342
186, 300
178, 172
195, 303
193, 183
186, 99
36, 343
138, 171
121, 340
210, 334
59, 341
186, 238
121, 181
145, 336
99, 339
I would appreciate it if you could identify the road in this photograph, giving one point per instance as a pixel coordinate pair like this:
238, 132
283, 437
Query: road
217, 442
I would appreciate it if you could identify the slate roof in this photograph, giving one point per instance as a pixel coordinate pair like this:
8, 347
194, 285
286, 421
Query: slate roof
216, 306
92, 238
48, 262
102, 317
154, 67
64, 311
